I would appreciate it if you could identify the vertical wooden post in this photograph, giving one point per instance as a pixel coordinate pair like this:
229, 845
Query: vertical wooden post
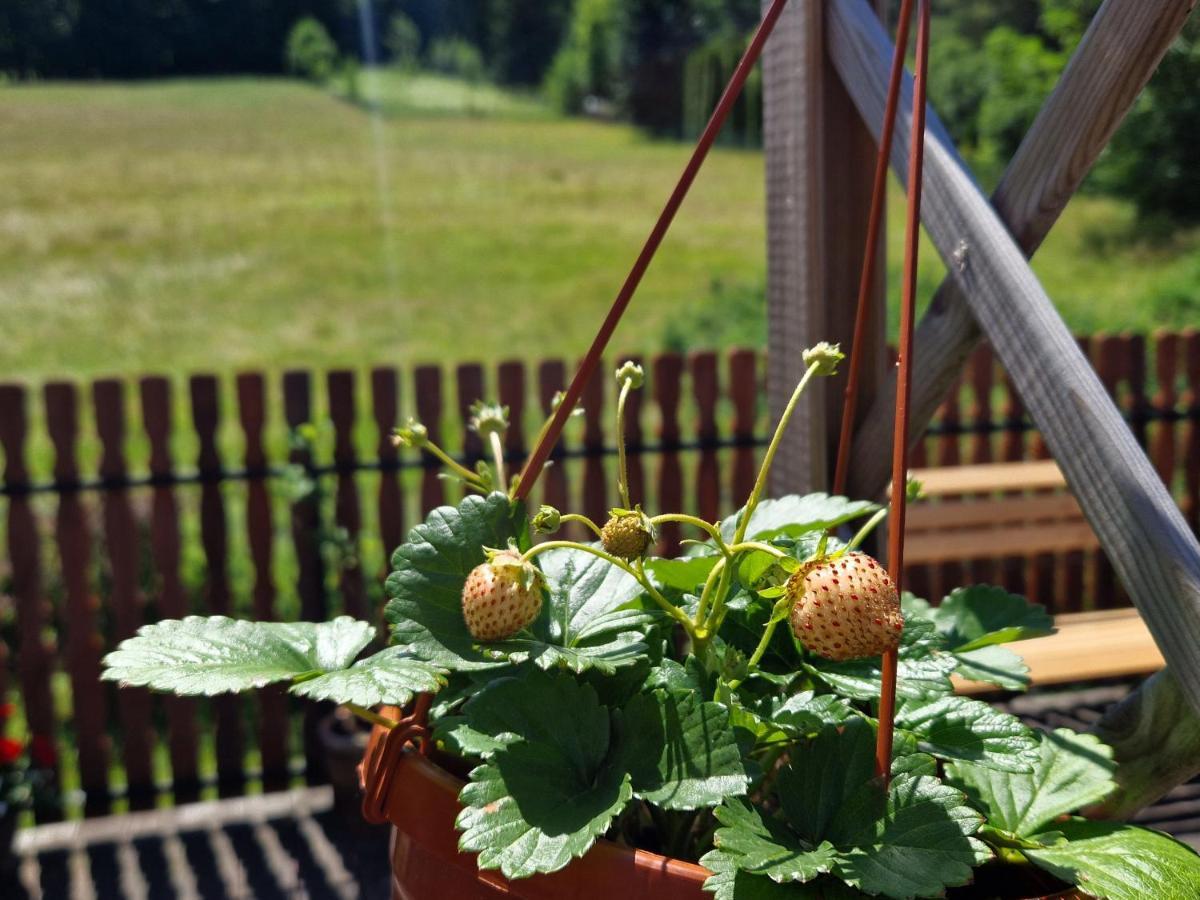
819, 160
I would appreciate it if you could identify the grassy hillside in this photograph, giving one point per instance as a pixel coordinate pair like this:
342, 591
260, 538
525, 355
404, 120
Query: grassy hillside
224, 224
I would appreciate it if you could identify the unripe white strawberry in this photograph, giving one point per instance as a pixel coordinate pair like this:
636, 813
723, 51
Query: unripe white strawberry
845, 607
501, 596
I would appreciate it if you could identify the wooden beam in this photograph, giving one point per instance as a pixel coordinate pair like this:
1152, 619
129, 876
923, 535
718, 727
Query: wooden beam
1151, 547
819, 160
1154, 733
1118, 54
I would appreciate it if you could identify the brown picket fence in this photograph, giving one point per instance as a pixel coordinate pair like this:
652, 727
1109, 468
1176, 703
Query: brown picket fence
281, 499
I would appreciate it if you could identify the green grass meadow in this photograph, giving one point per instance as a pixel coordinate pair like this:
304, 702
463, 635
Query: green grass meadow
226, 224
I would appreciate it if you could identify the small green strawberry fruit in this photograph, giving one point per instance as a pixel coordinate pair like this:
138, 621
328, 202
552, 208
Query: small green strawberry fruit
627, 534
501, 596
845, 607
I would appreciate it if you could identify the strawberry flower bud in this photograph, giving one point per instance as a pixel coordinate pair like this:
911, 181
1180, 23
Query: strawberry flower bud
825, 356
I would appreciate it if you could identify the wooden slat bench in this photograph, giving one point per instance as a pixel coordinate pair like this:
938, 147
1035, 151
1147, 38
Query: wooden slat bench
975, 512
1017, 509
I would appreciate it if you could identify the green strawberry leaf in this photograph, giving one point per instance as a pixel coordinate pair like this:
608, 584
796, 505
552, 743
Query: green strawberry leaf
681, 751
806, 713
551, 786
993, 665
923, 671
760, 846
429, 570
922, 843
795, 514
959, 728
728, 882
215, 654
391, 676
829, 790
680, 576
1072, 771
914, 839
1114, 861
982, 615
583, 624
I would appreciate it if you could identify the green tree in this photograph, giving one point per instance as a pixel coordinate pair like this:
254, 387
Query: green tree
588, 62
310, 52
403, 41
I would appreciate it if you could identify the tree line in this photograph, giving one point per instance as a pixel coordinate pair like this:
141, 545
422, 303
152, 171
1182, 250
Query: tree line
657, 63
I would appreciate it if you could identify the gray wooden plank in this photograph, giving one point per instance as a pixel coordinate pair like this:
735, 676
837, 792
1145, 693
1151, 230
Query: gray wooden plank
1118, 53
1152, 549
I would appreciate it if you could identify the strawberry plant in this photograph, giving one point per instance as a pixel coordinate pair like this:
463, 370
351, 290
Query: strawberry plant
599, 691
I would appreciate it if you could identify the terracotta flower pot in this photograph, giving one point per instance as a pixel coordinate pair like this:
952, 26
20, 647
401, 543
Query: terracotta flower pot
420, 800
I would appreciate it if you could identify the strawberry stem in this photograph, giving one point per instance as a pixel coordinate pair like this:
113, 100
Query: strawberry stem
760, 483
370, 716
861, 536
622, 473
670, 609
584, 520
707, 527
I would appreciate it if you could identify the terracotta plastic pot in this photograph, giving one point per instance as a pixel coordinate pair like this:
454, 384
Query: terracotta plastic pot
420, 800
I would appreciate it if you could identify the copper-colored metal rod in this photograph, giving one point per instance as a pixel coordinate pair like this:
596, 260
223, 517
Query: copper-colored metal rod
912, 226
537, 459
870, 254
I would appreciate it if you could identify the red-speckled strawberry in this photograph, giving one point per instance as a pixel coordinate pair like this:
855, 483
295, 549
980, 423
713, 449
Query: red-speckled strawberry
501, 596
845, 607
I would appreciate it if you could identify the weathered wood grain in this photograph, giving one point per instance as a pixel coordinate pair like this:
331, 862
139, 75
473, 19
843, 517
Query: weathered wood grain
1152, 549
818, 201
1154, 733
1116, 57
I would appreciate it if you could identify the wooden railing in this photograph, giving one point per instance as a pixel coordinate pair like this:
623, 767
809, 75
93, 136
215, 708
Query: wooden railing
231, 497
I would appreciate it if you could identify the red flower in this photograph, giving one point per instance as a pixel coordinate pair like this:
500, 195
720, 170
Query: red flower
10, 751
42, 751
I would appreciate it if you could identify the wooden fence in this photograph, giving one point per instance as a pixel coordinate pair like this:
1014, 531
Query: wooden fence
249, 497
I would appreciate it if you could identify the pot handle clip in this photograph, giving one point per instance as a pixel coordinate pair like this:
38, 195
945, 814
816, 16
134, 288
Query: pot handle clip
376, 771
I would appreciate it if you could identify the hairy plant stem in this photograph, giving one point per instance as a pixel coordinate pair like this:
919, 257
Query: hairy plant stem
760, 484
861, 536
622, 473
370, 715
584, 520
670, 609
498, 457
708, 623
472, 478
707, 527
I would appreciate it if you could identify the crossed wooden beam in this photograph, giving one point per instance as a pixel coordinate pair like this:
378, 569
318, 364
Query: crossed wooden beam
992, 291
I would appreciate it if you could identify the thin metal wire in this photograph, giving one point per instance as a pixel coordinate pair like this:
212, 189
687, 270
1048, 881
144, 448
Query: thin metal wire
871, 252
912, 225
537, 459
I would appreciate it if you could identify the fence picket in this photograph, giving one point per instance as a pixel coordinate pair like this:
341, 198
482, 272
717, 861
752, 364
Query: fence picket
306, 537
84, 645
35, 651
171, 600
552, 375
1135, 374
347, 512
981, 375
385, 397
1110, 367
634, 442
428, 383
1166, 356
206, 413
121, 541
468, 379
595, 474
272, 701
667, 375
705, 392
1191, 442
743, 391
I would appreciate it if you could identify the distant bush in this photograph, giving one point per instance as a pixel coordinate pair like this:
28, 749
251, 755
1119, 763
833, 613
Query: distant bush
588, 63
403, 41
456, 57
523, 37
310, 52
